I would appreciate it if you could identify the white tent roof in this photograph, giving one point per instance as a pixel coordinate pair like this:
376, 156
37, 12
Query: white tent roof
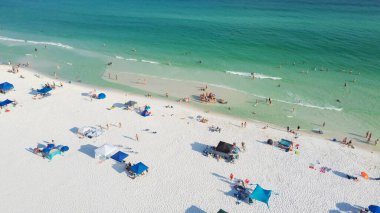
104, 150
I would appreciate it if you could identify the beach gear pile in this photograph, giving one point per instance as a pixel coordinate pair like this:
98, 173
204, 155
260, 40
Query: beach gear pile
90, 132
146, 111
229, 152
51, 150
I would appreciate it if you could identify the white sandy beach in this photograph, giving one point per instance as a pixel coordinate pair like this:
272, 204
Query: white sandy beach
180, 178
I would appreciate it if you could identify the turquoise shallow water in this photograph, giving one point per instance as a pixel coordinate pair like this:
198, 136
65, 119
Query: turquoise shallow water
314, 47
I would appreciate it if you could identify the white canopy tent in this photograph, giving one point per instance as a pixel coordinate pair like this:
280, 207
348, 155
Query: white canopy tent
104, 150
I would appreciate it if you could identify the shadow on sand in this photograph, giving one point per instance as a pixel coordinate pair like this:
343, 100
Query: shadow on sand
88, 149
194, 209
198, 147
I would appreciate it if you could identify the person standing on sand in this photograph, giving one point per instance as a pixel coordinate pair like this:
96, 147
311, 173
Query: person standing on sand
231, 176
287, 128
245, 124
344, 141
298, 127
243, 146
369, 137
167, 95
137, 137
376, 141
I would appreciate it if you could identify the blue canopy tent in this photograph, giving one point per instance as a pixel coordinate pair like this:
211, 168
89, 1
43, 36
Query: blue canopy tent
44, 90
139, 168
374, 209
4, 87
6, 102
261, 194
101, 96
119, 156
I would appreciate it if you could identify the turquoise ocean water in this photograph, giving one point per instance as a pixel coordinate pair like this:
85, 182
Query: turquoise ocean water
309, 48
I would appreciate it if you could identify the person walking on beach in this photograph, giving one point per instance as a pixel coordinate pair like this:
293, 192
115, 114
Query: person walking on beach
242, 125
137, 137
376, 141
243, 146
366, 134
369, 137
287, 128
324, 123
116, 77
298, 127
245, 124
231, 176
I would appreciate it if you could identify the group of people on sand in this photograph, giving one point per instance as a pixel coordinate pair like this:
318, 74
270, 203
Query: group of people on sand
243, 124
349, 143
208, 97
368, 136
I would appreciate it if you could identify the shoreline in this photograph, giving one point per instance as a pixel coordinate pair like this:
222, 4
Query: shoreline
208, 107
203, 107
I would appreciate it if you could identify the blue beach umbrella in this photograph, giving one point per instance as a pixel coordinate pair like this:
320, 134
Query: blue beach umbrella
44, 90
6, 102
6, 86
139, 168
101, 96
374, 209
64, 149
119, 156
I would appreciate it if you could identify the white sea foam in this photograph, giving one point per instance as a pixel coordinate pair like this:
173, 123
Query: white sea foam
150, 62
119, 57
310, 105
131, 59
257, 75
36, 42
68, 63
28, 54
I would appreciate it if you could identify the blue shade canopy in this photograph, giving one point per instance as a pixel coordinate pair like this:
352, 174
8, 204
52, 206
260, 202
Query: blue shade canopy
6, 102
374, 209
139, 168
6, 86
44, 90
261, 194
119, 156
101, 96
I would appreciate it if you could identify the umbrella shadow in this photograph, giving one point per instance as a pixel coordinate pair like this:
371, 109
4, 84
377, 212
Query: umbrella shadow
119, 167
118, 105
346, 207
194, 209
340, 174
88, 150
198, 147
74, 130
